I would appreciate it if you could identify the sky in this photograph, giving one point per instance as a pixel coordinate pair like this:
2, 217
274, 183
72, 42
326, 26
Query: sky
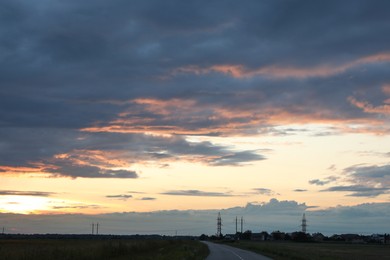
153, 116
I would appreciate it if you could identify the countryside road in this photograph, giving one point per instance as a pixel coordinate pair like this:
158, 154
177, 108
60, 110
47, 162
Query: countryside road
224, 252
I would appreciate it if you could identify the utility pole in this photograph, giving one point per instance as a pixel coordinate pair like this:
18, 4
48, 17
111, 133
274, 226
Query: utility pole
93, 228
236, 225
242, 223
97, 228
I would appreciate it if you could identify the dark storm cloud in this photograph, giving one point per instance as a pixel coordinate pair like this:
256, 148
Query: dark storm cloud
197, 193
246, 67
70, 153
59, 53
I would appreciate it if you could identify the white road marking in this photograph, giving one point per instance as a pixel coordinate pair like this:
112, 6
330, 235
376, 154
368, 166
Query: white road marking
235, 254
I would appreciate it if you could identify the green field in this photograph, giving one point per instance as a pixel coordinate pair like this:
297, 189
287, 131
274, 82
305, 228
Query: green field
314, 251
31, 249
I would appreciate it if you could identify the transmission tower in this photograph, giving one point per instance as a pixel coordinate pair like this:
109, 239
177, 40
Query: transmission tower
219, 225
304, 225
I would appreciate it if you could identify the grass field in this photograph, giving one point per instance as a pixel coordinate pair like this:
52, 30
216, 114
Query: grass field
42, 249
314, 251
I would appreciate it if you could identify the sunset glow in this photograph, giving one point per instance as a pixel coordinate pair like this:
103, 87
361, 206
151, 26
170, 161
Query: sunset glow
23, 204
168, 112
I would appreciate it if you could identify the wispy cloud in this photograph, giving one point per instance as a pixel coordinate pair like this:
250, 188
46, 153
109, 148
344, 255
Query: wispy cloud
275, 71
197, 193
264, 191
120, 196
365, 181
300, 190
77, 206
147, 198
323, 182
26, 193
359, 190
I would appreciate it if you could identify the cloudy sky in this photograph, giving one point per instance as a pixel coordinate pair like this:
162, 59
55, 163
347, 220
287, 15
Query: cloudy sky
185, 106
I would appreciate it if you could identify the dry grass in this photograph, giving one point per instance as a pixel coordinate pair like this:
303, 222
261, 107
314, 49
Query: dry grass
42, 249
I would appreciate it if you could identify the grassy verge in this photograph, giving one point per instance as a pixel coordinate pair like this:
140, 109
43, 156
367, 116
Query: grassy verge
316, 251
43, 249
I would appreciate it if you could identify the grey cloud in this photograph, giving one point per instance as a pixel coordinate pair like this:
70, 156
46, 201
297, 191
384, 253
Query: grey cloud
368, 181
120, 196
19, 146
318, 182
379, 174
325, 181
264, 191
61, 63
65, 168
78, 206
364, 181
52, 44
26, 193
197, 193
236, 158
359, 190
300, 190
147, 198
272, 215
31, 146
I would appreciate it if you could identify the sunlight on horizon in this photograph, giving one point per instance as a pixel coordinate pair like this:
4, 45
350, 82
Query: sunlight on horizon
23, 204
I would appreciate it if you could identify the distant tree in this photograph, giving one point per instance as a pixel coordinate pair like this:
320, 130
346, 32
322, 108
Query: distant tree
265, 235
277, 235
247, 235
300, 237
213, 237
203, 237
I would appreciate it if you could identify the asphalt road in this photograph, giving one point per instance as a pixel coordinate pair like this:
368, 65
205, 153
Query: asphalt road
224, 252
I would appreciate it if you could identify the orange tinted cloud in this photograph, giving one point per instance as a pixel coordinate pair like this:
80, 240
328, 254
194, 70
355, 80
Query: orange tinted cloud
187, 117
16, 170
369, 108
275, 71
386, 89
